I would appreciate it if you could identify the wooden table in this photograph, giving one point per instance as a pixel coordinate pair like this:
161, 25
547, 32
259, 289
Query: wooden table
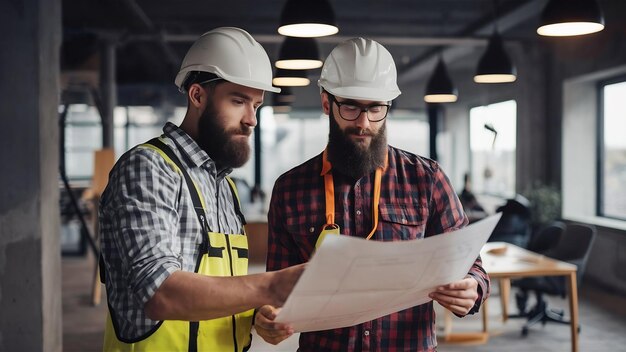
504, 261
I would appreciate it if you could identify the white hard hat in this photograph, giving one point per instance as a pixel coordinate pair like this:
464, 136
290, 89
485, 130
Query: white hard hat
361, 69
232, 54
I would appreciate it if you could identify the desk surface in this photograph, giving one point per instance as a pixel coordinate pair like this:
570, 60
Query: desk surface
507, 260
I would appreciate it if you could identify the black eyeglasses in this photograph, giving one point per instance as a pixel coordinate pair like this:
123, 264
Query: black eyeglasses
351, 111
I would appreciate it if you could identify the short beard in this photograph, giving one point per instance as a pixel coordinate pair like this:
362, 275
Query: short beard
348, 158
217, 142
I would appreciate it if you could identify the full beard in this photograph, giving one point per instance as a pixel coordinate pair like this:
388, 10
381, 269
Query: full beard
352, 159
218, 142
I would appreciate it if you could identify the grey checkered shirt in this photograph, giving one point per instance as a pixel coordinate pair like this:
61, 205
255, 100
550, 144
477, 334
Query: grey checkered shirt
149, 228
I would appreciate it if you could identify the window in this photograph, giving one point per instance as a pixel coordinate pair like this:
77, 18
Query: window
132, 125
612, 170
83, 135
138, 124
492, 148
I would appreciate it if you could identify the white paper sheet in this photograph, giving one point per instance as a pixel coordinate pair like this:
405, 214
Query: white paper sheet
350, 280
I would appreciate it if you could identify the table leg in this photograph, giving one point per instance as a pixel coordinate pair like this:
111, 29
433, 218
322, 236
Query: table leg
505, 291
573, 310
483, 308
447, 323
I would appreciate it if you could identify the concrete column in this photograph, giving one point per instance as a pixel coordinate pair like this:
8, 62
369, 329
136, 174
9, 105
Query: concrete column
435, 111
30, 270
108, 89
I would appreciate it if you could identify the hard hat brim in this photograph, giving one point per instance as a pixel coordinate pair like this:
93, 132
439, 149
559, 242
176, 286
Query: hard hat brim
364, 93
180, 77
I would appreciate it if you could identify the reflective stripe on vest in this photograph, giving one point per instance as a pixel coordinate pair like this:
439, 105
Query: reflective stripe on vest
220, 255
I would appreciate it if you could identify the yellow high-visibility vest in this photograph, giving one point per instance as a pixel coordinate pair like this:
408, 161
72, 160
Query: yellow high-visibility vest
221, 255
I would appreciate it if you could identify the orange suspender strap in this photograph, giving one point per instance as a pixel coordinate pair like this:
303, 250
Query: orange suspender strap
377, 180
330, 199
329, 188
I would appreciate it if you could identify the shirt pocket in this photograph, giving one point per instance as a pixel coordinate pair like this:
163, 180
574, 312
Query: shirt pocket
401, 222
304, 231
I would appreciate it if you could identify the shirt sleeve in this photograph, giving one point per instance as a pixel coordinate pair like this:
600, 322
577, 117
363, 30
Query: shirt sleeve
446, 214
281, 248
141, 229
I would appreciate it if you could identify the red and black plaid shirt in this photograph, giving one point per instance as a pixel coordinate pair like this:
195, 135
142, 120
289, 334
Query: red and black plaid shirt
416, 201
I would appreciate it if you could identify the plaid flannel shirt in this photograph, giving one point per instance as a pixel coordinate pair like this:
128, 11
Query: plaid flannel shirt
416, 201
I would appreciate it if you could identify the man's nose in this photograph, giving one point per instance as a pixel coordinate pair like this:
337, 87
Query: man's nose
362, 120
250, 117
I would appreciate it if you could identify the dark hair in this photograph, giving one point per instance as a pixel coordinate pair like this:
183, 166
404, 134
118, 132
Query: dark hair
199, 77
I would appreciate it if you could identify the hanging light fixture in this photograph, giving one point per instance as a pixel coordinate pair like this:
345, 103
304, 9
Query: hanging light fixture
281, 102
290, 78
562, 18
299, 54
440, 88
495, 66
307, 18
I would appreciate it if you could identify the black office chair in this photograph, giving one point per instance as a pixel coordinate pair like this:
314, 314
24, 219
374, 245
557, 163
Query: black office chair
573, 247
547, 238
514, 225
543, 241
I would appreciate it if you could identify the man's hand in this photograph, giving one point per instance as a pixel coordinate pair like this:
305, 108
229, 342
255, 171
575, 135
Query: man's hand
458, 296
265, 326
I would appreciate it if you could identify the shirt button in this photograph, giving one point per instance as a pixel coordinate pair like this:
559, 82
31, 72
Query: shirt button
311, 229
358, 212
366, 333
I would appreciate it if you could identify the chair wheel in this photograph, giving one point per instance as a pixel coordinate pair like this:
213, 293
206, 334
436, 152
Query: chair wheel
578, 329
524, 331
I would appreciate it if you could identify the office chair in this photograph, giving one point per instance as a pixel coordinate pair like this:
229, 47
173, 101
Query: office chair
573, 247
547, 238
514, 225
543, 241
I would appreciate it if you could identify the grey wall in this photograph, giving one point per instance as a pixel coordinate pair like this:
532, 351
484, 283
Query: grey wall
30, 275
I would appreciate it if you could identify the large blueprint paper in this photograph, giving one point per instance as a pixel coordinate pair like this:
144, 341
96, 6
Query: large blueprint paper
350, 280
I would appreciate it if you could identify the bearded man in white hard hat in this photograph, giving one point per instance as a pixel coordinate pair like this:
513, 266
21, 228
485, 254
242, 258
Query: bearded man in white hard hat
360, 186
174, 250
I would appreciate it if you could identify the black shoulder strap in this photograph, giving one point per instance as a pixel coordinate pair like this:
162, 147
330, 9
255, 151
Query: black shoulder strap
195, 197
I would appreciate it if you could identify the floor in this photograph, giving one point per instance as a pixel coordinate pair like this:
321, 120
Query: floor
602, 317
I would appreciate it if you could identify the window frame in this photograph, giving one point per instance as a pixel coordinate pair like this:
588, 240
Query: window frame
600, 146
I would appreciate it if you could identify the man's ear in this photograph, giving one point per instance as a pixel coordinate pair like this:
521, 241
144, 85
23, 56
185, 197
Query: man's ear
325, 103
196, 95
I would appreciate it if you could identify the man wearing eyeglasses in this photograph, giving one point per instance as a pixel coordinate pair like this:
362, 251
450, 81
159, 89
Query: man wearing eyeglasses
360, 186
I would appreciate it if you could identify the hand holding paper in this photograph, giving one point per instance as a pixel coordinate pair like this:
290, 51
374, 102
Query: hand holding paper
349, 280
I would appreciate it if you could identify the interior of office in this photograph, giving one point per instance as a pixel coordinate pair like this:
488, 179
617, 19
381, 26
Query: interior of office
81, 76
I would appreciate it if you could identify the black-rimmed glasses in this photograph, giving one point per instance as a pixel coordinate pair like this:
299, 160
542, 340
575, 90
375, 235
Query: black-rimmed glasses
351, 111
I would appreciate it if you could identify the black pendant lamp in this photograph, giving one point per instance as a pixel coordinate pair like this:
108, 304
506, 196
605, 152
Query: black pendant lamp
290, 78
281, 102
495, 66
299, 54
440, 88
307, 18
561, 18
